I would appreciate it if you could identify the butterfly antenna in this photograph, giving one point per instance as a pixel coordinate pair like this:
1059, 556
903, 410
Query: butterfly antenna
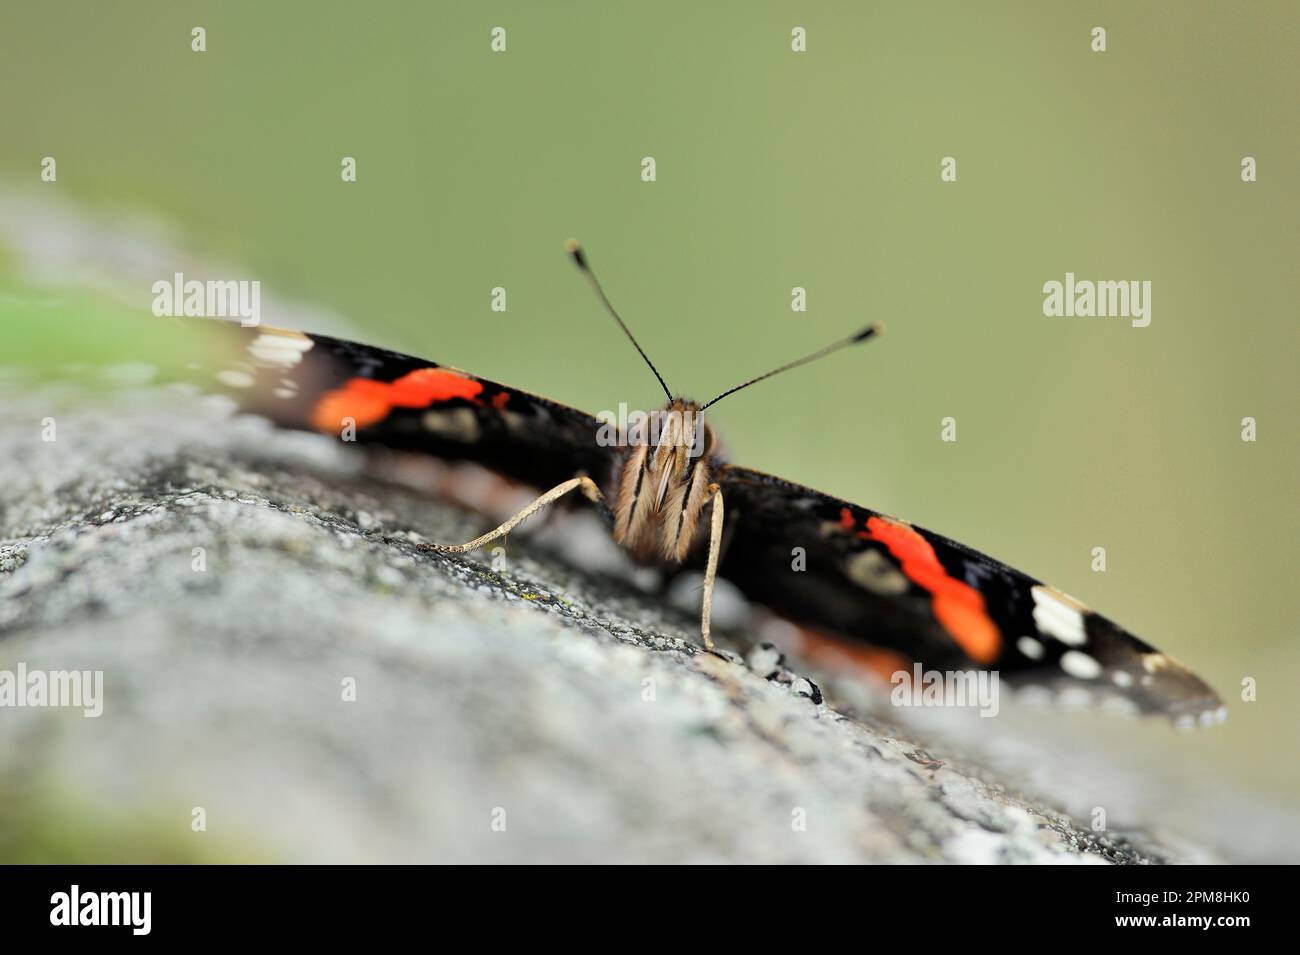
875, 328
580, 258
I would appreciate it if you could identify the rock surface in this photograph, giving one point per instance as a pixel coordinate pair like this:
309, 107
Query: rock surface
232, 583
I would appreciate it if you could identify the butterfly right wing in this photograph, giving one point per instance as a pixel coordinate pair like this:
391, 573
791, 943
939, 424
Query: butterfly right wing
880, 583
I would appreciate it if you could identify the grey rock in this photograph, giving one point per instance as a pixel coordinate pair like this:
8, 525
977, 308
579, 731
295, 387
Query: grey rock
231, 582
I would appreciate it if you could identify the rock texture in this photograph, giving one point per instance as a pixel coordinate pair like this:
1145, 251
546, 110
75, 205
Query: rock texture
233, 583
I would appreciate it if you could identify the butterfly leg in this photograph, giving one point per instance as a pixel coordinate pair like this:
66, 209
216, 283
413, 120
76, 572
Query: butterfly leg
581, 482
711, 568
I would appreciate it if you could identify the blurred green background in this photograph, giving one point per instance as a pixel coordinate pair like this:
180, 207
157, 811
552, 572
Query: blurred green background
775, 170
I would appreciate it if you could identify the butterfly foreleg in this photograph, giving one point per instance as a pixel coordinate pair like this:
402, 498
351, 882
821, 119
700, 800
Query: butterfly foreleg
711, 568
588, 487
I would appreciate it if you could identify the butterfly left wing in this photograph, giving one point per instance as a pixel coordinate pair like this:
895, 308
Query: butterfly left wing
372, 395
878, 582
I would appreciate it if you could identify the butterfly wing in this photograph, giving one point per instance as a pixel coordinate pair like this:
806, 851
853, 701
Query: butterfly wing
834, 567
881, 583
372, 395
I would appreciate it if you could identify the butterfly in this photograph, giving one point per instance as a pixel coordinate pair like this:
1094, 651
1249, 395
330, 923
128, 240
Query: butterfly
862, 587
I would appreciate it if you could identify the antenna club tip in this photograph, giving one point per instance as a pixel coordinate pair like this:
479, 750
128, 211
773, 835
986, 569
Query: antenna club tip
574, 249
875, 328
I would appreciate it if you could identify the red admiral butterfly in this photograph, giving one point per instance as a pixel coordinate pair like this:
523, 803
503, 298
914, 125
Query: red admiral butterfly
873, 589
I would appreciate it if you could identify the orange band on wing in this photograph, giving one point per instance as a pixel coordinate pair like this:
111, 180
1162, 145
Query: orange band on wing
833, 651
957, 606
367, 401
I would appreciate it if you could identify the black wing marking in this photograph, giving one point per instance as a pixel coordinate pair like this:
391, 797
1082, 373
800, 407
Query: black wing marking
309, 382
856, 585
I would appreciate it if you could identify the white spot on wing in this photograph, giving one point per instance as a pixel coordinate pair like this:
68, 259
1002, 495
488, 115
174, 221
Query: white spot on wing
1153, 662
279, 348
1059, 616
1030, 648
871, 570
1080, 665
454, 424
235, 379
